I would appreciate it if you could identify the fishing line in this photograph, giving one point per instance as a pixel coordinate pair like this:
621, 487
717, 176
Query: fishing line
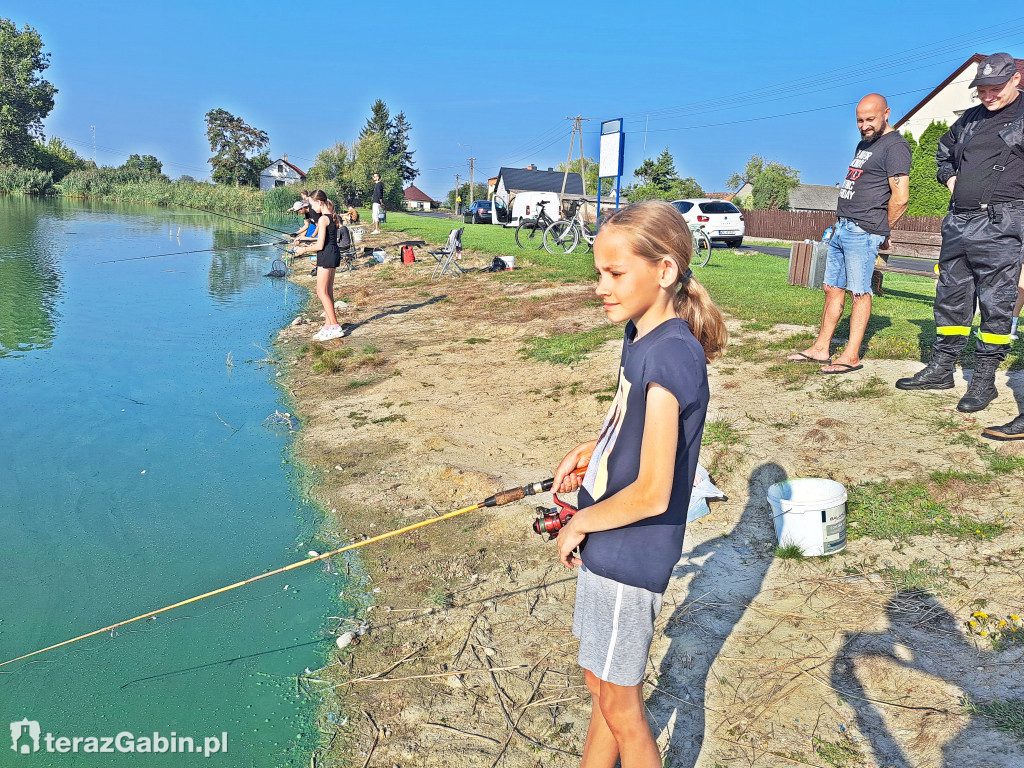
241, 221
201, 250
497, 500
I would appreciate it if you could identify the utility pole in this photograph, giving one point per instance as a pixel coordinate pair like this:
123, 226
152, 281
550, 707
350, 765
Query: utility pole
458, 197
472, 189
577, 127
93, 129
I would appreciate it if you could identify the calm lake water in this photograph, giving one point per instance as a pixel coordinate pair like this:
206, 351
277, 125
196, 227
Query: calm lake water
136, 471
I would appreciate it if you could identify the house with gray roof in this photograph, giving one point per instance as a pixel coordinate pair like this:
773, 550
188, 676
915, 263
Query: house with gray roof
814, 197
513, 180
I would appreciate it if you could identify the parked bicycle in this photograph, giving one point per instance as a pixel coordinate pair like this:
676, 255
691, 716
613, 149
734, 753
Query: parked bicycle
701, 247
564, 235
530, 232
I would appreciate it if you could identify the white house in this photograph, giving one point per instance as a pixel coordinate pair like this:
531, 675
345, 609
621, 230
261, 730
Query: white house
279, 173
950, 99
417, 200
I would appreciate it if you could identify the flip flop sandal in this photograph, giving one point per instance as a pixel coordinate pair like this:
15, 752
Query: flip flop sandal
802, 358
846, 369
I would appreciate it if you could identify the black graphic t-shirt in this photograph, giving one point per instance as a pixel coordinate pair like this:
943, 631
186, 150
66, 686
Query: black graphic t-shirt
643, 553
864, 195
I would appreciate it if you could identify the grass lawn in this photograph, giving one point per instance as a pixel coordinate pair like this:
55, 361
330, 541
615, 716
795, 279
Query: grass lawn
751, 287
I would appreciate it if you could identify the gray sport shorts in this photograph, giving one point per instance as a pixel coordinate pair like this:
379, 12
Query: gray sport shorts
615, 625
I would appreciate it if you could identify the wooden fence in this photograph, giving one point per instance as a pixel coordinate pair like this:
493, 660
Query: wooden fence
808, 225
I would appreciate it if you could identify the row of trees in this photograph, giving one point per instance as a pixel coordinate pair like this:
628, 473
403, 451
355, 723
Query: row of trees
382, 147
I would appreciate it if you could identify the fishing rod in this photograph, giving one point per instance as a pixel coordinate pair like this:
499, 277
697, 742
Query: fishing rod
497, 500
242, 221
202, 250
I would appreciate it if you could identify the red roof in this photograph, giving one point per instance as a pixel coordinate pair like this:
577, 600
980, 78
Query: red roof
295, 168
978, 57
417, 195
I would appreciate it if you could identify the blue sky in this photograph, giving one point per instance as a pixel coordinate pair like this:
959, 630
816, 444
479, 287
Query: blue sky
713, 81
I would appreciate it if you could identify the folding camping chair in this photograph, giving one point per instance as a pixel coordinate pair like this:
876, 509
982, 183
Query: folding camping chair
447, 255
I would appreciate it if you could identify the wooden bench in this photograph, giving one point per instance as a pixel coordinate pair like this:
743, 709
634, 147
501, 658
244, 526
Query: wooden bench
908, 245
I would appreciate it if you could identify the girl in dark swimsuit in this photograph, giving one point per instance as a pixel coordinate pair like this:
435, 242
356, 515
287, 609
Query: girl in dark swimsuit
327, 260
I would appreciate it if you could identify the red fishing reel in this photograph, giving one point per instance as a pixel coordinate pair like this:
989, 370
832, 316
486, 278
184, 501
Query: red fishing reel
551, 520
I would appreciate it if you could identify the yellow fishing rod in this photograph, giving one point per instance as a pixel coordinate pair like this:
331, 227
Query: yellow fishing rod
497, 500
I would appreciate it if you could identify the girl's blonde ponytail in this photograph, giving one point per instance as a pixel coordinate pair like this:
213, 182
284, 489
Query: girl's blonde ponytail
657, 230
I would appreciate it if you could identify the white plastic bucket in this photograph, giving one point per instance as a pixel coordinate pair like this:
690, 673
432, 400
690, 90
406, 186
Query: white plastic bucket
357, 235
811, 513
510, 261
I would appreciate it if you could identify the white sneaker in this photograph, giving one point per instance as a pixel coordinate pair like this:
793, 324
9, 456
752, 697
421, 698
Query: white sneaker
326, 334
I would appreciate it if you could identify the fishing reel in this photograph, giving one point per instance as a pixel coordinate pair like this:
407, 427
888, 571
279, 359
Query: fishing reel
552, 519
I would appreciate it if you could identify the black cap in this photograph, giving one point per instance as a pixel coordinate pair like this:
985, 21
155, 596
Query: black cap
995, 70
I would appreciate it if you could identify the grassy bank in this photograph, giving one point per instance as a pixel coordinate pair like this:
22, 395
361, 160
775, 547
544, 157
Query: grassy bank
750, 287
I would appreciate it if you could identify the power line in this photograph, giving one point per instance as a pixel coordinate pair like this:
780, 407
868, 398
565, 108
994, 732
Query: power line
858, 70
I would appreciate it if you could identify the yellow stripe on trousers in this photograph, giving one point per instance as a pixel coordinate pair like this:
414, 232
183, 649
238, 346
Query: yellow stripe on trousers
953, 330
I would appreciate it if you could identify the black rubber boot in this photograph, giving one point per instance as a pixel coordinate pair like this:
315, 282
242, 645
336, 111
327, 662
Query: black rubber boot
1012, 431
982, 389
938, 374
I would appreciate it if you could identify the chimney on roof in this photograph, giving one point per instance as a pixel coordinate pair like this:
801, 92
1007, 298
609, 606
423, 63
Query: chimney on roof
285, 157
550, 168
531, 167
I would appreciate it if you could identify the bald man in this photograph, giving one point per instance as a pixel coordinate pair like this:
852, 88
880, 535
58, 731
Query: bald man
981, 160
871, 200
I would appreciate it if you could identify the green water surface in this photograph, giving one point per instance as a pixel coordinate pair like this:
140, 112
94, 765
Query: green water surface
135, 471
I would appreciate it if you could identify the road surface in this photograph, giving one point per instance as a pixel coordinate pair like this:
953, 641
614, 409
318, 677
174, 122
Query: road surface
917, 265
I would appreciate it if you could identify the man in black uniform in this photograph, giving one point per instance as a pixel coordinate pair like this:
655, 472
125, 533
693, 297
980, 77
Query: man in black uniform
981, 160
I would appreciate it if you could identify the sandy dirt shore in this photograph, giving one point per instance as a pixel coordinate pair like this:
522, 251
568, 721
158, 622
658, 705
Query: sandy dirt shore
864, 658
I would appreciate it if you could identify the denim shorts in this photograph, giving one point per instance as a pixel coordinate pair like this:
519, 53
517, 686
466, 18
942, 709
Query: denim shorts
851, 258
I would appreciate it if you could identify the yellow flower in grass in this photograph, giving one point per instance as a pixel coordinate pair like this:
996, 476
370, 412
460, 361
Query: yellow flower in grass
1002, 623
983, 633
1014, 617
980, 615
973, 623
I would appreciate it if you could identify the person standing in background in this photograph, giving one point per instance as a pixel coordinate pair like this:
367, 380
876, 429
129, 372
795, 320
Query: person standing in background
378, 202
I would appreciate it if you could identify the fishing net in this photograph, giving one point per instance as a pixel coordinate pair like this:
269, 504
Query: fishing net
278, 269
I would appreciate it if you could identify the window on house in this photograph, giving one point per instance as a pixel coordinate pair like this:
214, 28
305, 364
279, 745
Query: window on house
278, 183
280, 168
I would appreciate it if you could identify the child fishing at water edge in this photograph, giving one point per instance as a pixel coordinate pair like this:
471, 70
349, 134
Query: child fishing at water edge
640, 469
327, 260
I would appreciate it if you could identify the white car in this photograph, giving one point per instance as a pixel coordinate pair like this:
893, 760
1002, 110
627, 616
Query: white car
720, 219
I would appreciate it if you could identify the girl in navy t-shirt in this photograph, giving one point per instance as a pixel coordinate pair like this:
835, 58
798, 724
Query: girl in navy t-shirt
640, 470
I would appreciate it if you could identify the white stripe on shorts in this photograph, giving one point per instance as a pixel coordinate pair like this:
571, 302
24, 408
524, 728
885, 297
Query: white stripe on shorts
615, 633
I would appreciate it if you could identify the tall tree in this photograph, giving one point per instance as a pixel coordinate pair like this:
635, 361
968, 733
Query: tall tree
379, 120
589, 175
771, 182
238, 148
927, 196
658, 180
144, 163
400, 148
56, 157
25, 97
372, 156
331, 165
